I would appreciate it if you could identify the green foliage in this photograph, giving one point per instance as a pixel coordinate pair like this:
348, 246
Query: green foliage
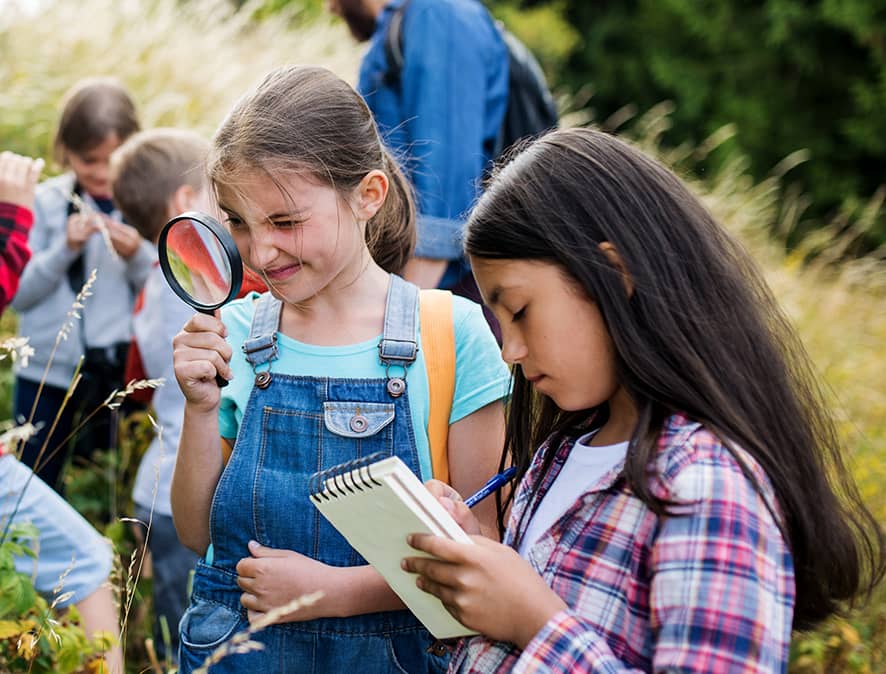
101, 488
855, 644
788, 74
545, 30
299, 12
16, 592
34, 635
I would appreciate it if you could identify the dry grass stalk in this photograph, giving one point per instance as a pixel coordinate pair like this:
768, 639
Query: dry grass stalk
173, 82
116, 398
95, 217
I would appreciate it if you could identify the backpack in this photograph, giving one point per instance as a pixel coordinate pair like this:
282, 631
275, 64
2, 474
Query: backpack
530, 109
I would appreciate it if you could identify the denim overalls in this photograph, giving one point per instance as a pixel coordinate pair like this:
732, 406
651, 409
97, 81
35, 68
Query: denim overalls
292, 427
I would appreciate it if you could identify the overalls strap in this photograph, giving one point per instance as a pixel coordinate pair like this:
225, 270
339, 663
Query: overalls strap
398, 345
261, 346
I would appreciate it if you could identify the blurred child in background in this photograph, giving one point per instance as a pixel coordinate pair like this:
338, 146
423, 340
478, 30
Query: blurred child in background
76, 230
157, 174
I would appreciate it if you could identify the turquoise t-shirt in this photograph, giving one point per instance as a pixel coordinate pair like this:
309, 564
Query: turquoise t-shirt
481, 377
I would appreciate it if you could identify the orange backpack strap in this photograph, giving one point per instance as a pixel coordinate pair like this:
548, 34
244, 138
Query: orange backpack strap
438, 345
227, 448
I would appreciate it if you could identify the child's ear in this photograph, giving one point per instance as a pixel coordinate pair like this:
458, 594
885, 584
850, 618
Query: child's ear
612, 254
181, 200
370, 194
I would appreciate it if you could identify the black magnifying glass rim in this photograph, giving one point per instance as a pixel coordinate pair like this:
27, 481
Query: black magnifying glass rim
223, 237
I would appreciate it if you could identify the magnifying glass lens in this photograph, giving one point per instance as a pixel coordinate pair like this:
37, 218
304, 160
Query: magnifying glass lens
199, 262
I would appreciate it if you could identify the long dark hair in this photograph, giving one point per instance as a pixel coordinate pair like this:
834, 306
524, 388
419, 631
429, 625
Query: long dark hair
701, 334
306, 118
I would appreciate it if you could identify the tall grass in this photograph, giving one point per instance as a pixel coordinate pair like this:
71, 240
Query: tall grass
186, 62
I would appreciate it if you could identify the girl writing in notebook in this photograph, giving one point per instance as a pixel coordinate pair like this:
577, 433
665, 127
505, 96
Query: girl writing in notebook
677, 509
324, 368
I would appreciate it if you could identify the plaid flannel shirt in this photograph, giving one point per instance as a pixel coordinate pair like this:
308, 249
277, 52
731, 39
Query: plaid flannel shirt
15, 222
709, 588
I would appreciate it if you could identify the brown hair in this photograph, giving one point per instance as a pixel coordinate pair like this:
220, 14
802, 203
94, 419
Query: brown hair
148, 169
94, 108
304, 118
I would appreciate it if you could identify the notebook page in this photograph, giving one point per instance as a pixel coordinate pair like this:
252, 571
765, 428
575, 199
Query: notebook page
376, 521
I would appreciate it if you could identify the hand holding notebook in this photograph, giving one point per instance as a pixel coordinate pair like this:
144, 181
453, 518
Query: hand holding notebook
375, 503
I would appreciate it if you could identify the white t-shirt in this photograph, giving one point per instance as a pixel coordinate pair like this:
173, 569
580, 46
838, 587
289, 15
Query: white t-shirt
584, 467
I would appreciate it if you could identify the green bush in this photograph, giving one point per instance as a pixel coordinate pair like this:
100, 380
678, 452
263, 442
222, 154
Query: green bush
789, 74
34, 637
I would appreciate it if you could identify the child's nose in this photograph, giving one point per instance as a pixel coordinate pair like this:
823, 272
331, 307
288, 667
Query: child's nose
513, 350
263, 252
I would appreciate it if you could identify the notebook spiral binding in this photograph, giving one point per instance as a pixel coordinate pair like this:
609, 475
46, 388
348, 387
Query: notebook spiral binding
357, 470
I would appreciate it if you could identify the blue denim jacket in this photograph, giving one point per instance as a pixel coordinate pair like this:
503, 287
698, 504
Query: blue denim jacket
442, 122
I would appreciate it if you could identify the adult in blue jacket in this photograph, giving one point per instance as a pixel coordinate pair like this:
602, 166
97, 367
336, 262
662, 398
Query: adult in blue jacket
440, 117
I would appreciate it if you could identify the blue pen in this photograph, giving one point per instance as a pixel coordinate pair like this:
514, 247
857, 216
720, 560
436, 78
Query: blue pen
494, 483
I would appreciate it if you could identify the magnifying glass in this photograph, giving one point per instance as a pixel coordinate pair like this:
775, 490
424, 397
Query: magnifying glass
201, 263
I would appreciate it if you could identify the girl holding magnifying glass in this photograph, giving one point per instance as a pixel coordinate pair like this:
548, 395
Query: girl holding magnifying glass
322, 369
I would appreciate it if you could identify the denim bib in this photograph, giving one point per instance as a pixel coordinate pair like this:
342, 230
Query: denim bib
292, 427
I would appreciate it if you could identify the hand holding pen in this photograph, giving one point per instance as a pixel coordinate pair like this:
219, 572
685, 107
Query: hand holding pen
460, 508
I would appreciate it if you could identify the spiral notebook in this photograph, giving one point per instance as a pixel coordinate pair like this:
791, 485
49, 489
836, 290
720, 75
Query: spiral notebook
375, 502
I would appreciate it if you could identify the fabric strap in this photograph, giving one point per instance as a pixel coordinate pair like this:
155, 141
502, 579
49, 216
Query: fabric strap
438, 343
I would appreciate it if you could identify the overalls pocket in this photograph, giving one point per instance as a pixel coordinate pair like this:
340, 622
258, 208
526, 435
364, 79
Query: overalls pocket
356, 419
206, 625
295, 444
410, 652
